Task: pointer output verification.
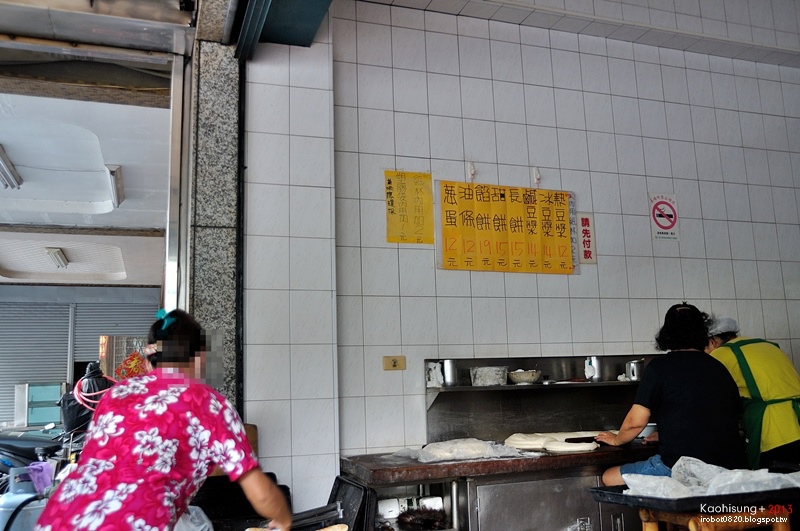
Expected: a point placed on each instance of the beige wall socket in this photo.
(394, 363)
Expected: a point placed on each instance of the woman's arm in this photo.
(266, 498)
(635, 421)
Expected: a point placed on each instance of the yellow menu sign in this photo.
(503, 228)
(409, 207)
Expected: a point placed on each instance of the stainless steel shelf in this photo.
(517, 387)
(432, 392)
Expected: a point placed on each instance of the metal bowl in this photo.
(523, 377)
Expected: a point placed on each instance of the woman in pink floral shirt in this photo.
(153, 441)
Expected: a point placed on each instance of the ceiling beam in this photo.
(156, 98)
(255, 17)
(85, 231)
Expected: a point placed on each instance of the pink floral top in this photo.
(151, 444)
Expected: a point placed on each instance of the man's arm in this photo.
(635, 421)
(266, 498)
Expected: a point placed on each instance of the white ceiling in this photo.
(93, 259)
(61, 149)
(60, 67)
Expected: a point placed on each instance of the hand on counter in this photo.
(607, 437)
(634, 423)
(610, 438)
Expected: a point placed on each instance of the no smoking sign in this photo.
(664, 217)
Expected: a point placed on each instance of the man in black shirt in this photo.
(690, 395)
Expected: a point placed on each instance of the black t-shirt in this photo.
(696, 404)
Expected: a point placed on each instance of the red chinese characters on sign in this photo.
(587, 252)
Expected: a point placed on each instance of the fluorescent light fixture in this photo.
(58, 256)
(115, 176)
(8, 173)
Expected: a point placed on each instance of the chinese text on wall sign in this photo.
(504, 228)
(409, 207)
(587, 253)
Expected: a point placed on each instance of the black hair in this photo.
(179, 336)
(685, 327)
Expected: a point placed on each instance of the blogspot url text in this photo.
(743, 519)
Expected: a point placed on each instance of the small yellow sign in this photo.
(409, 207)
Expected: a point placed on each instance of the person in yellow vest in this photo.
(770, 386)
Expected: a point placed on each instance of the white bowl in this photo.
(523, 377)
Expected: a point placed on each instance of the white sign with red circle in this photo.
(664, 216)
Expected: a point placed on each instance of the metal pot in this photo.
(450, 372)
(633, 370)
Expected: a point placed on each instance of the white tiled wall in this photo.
(398, 88)
(608, 120)
(290, 383)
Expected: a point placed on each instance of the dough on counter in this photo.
(469, 448)
(539, 441)
(561, 446)
(531, 441)
(564, 435)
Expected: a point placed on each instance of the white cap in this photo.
(722, 325)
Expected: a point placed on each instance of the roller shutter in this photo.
(95, 320)
(34, 347)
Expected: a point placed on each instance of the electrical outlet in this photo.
(394, 363)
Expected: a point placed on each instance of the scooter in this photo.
(21, 447)
(20, 505)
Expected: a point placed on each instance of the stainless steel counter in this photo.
(557, 482)
(381, 470)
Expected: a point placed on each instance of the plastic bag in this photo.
(194, 519)
(459, 449)
(76, 417)
(693, 477)
(691, 471)
(659, 487)
(41, 473)
(736, 481)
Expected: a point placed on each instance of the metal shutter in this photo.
(95, 320)
(34, 347)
